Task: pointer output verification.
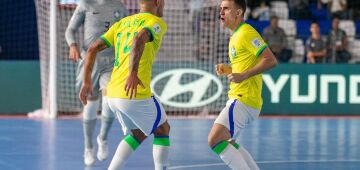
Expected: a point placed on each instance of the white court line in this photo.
(265, 162)
(196, 166)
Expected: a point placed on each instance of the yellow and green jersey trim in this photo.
(106, 41)
(152, 34)
(240, 25)
(261, 50)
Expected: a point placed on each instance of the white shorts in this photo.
(100, 75)
(235, 116)
(146, 115)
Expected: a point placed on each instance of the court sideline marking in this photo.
(264, 162)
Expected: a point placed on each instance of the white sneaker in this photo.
(102, 153)
(89, 159)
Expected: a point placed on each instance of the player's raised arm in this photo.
(267, 62)
(96, 47)
(138, 46)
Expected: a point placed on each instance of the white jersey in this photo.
(97, 16)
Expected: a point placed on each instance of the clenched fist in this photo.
(223, 69)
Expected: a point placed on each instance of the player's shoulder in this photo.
(116, 5)
(127, 18)
(246, 31)
(247, 28)
(150, 17)
(152, 20)
(309, 40)
(83, 6)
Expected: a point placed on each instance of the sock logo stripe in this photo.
(231, 118)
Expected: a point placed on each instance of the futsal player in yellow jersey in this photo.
(136, 40)
(249, 57)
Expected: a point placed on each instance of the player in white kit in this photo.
(97, 16)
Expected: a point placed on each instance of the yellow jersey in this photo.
(244, 49)
(121, 35)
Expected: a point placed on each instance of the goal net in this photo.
(183, 74)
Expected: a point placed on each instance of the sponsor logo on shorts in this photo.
(186, 88)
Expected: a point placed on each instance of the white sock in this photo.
(248, 158)
(107, 118)
(233, 158)
(126, 147)
(161, 155)
(89, 121)
(106, 123)
(161, 146)
(88, 128)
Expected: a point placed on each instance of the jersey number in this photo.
(126, 49)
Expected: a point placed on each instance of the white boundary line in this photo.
(264, 162)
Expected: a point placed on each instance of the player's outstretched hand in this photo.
(131, 85)
(223, 69)
(86, 89)
(74, 53)
(237, 77)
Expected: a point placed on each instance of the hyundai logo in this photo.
(186, 88)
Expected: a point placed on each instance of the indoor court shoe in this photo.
(89, 159)
(102, 149)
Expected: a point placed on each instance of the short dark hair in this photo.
(315, 22)
(335, 17)
(241, 4)
(274, 17)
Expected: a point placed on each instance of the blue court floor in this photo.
(275, 143)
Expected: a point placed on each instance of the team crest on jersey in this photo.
(233, 52)
(157, 28)
(256, 42)
(117, 14)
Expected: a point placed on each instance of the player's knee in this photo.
(214, 138)
(93, 98)
(104, 92)
(163, 130)
(138, 135)
(90, 110)
(105, 108)
(211, 140)
(217, 134)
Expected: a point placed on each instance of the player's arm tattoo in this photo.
(99, 45)
(138, 46)
(94, 48)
